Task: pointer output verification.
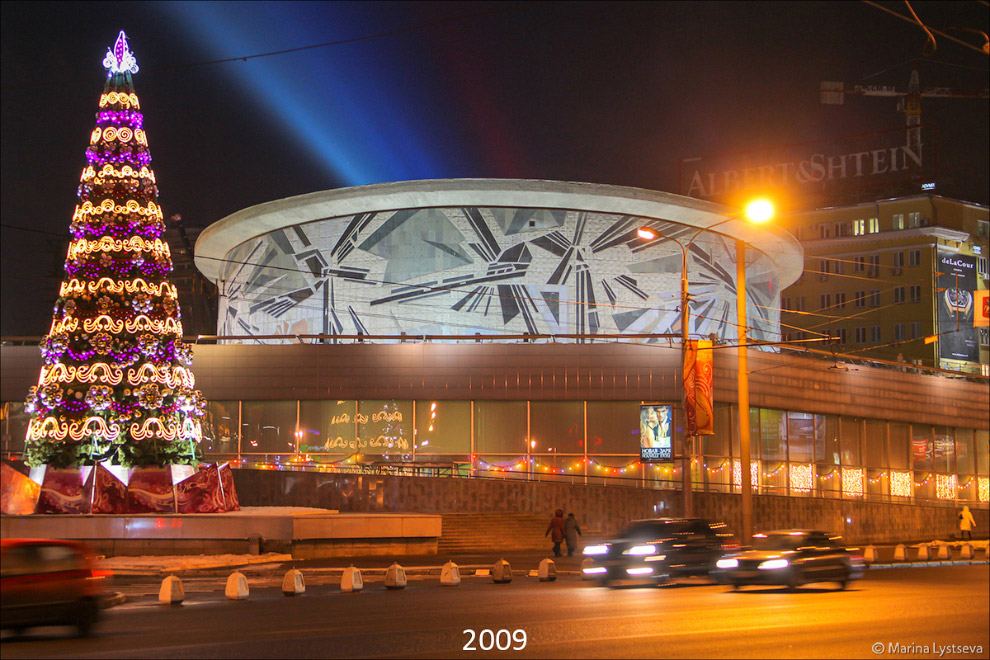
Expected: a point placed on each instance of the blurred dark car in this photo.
(791, 558)
(48, 582)
(657, 549)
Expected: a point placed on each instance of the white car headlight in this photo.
(727, 563)
(643, 570)
(596, 549)
(648, 549)
(594, 570)
(773, 564)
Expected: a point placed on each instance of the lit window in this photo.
(914, 219)
(898, 221)
(873, 225)
(859, 227)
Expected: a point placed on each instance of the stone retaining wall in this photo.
(602, 508)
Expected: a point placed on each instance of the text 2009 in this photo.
(502, 640)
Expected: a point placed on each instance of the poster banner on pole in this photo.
(698, 388)
(654, 433)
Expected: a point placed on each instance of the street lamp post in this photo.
(688, 452)
(742, 380)
(757, 211)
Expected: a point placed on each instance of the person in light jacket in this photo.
(556, 526)
(966, 524)
(571, 531)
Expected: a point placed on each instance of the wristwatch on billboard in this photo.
(959, 301)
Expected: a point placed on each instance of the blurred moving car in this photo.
(792, 557)
(657, 549)
(48, 582)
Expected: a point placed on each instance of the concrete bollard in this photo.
(450, 575)
(547, 571)
(587, 563)
(899, 552)
(395, 577)
(966, 552)
(501, 572)
(293, 583)
(943, 552)
(923, 552)
(171, 592)
(351, 580)
(870, 555)
(237, 586)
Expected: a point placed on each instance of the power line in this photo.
(367, 37)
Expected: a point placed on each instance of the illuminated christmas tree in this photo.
(116, 384)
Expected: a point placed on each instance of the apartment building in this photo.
(894, 279)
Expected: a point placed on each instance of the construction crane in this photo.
(909, 102)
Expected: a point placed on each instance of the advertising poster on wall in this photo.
(954, 303)
(655, 433)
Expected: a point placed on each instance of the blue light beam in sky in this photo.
(341, 102)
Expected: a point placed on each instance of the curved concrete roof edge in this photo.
(219, 238)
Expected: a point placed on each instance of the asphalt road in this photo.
(909, 612)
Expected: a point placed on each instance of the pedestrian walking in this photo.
(556, 531)
(966, 524)
(571, 531)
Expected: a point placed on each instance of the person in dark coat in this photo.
(571, 531)
(556, 531)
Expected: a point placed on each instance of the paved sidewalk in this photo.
(523, 560)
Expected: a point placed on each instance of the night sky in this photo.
(609, 93)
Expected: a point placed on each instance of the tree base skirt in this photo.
(103, 489)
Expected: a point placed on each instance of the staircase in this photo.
(491, 532)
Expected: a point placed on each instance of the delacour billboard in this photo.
(954, 305)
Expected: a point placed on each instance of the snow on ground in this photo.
(181, 562)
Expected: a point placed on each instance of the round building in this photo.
(491, 257)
